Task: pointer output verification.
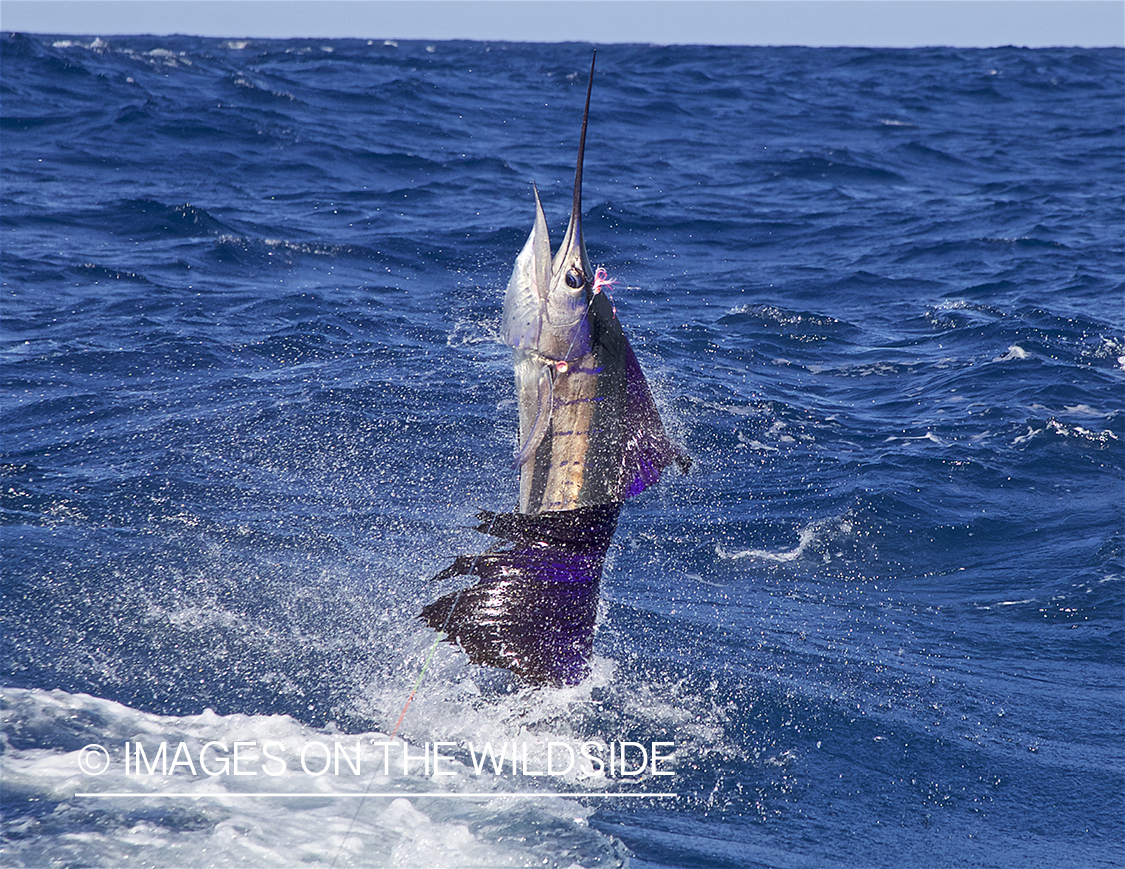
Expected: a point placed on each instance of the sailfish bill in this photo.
(590, 436)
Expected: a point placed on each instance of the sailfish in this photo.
(590, 437)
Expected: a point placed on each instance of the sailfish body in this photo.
(590, 436)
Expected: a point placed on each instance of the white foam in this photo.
(809, 536)
(290, 796)
(1084, 410)
(1014, 353)
(928, 436)
(1054, 426)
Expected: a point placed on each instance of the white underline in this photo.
(392, 794)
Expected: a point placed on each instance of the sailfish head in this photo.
(547, 301)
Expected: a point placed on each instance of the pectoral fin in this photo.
(544, 405)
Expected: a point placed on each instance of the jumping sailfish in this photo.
(590, 437)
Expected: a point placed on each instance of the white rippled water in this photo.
(229, 790)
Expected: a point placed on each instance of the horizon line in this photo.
(370, 40)
(760, 23)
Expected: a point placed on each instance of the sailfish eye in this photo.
(575, 279)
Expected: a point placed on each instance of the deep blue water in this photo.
(253, 394)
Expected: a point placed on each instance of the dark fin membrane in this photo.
(633, 457)
(533, 609)
(647, 450)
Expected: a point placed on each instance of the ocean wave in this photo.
(261, 788)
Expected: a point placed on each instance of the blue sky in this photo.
(881, 23)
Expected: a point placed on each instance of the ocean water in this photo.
(254, 394)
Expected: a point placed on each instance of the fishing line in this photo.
(601, 280)
(425, 666)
